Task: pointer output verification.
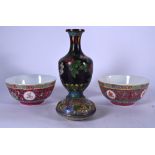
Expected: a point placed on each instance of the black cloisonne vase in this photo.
(75, 71)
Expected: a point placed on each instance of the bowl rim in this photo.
(124, 75)
(36, 84)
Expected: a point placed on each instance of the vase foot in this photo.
(76, 109)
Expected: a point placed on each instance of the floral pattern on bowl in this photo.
(123, 89)
(31, 89)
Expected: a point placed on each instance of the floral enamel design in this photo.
(61, 68)
(142, 94)
(78, 66)
(111, 94)
(29, 95)
(14, 94)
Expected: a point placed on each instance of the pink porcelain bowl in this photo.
(31, 89)
(123, 89)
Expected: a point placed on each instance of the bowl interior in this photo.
(30, 79)
(124, 80)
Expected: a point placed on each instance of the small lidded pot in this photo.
(123, 89)
(31, 89)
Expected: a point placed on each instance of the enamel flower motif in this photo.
(61, 68)
(14, 95)
(29, 95)
(111, 94)
(142, 94)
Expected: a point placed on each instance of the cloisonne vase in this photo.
(75, 71)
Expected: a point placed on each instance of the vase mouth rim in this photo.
(75, 30)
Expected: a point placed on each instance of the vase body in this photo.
(75, 70)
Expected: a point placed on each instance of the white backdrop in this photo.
(114, 50)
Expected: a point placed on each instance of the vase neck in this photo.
(75, 40)
(75, 43)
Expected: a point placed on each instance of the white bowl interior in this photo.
(124, 80)
(30, 79)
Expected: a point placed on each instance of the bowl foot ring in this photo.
(122, 104)
(32, 103)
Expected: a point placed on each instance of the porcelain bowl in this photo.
(31, 89)
(123, 89)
